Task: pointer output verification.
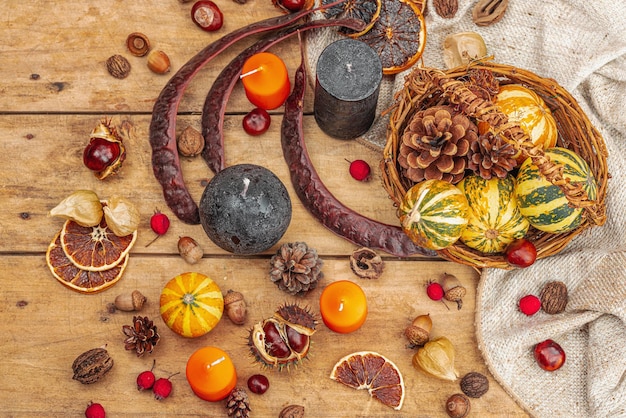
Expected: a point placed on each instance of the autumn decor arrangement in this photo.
(528, 162)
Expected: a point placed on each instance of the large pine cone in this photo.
(296, 268)
(237, 404)
(435, 145)
(491, 156)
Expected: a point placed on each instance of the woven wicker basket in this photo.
(426, 87)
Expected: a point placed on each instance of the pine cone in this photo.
(435, 145)
(483, 83)
(491, 156)
(237, 404)
(296, 268)
(142, 335)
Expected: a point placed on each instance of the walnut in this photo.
(553, 297)
(292, 411)
(474, 384)
(118, 66)
(92, 365)
(488, 12)
(366, 264)
(190, 142)
(446, 8)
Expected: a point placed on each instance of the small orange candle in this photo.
(265, 80)
(343, 306)
(211, 374)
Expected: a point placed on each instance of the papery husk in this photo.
(122, 217)
(82, 206)
(436, 358)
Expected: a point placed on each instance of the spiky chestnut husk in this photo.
(283, 339)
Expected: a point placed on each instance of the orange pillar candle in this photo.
(265, 80)
(211, 374)
(343, 306)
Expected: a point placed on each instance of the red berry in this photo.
(146, 379)
(434, 291)
(549, 355)
(258, 384)
(160, 223)
(292, 5)
(207, 15)
(100, 153)
(256, 122)
(529, 304)
(95, 410)
(521, 253)
(162, 388)
(360, 170)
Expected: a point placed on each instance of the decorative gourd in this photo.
(434, 213)
(191, 304)
(495, 220)
(544, 204)
(524, 107)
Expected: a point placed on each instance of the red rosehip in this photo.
(360, 170)
(256, 122)
(521, 253)
(146, 379)
(162, 388)
(434, 291)
(292, 5)
(95, 410)
(549, 355)
(160, 223)
(530, 304)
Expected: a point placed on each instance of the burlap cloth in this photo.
(582, 45)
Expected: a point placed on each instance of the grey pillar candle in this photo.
(347, 83)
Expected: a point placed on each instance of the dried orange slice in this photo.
(374, 372)
(94, 248)
(76, 278)
(399, 35)
(365, 10)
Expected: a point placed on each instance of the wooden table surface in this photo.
(54, 91)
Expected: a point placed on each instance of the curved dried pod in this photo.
(458, 406)
(366, 263)
(138, 44)
(488, 12)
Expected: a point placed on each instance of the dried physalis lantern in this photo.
(463, 47)
(105, 152)
(283, 339)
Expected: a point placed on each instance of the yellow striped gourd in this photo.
(191, 304)
(544, 204)
(495, 219)
(434, 213)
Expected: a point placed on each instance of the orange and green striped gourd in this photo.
(434, 213)
(526, 108)
(495, 219)
(544, 204)
(191, 304)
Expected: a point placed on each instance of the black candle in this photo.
(347, 83)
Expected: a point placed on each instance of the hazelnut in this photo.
(474, 384)
(129, 302)
(292, 411)
(190, 142)
(458, 406)
(158, 62)
(553, 297)
(235, 307)
(118, 66)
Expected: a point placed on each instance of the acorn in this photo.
(418, 333)
(130, 302)
(235, 307)
(453, 289)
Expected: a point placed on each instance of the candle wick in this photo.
(246, 183)
(349, 67)
(216, 362)
(256, 70)
(341, 306)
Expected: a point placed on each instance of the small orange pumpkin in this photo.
(191, 304)
(524, 107)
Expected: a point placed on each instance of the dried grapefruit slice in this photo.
(365, 10)
(399, 35)
(374, 372)
(94, 248)
(76, 278)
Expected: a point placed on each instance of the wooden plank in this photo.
(46, 326)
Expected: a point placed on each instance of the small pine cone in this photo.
(435, 145)
(491, 156)
(142, 335)
(237, 404)
(296, 268)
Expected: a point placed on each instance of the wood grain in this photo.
(54, 90)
